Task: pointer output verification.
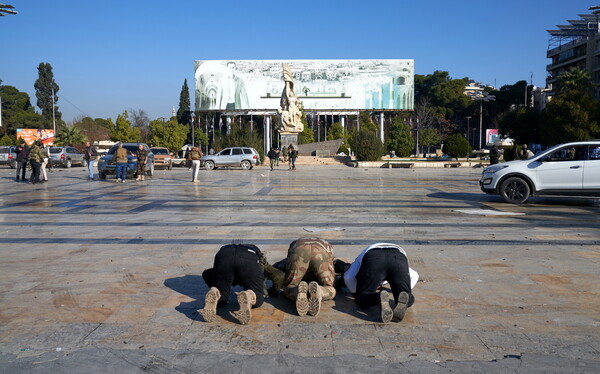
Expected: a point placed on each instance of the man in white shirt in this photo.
(381, 262)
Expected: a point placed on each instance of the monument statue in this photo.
(290, 111)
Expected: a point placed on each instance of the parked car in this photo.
(106, 165)
(66, 156)
(244, 157)
(570, 169)
(162, 157)
(8, 156)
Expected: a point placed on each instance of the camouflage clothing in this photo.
(142, 155)
(310, 259)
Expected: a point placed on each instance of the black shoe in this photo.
(400, 309)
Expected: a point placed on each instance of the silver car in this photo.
(244, 157)
(66, 156)
(8, 156)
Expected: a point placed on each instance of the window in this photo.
(237, 151)
(247, 151)
(594, 152)
(567, 154)
(225, 152)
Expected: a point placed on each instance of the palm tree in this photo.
(70, 135)
(575, 80)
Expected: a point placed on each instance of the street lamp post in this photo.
(468, 127)
(481, 96)
(192, 117)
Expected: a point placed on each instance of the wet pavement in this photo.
(106, 277)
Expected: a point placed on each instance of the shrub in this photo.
(457, 146)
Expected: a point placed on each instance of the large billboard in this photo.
(320, 84)
(46, 136)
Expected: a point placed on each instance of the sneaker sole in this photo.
(209, 312)
(301, 300)
(400, 309)
(386, 309)
(244, 314)
(314, 301)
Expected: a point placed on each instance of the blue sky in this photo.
(110, 56)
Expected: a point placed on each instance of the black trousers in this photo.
(236, 265)
(35, 173)
(381, 264)
(21, 169)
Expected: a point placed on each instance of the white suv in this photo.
(571, 169)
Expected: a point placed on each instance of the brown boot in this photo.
(301, 299)
(209, 312)
(315, 297)
(246, 299)
(400, 309)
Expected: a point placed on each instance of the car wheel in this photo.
(209, 165)
(246, 165)
(68, 164)
(102, 176)
(514, 190)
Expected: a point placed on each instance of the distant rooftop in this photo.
(585, 27)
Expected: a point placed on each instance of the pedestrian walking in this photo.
(195, 155)
(494, 155)
(284, 152)
(292, 154)
(91, 154)
(43, 173)
(272, 155)
(142, 159)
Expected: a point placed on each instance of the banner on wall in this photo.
(491, 136)
(319, 84)
(30, 135)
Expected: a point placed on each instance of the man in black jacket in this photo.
(22, 152)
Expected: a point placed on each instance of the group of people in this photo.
(309, 275)
(523, 154)
(37, 157)
(121, 162)
(289, 153)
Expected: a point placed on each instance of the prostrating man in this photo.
(381, 262)
(309, 260)
(238, 264)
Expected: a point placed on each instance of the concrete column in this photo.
(381, 122)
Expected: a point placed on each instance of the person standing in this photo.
(43, 173)
(195, 156)
(91, 154)
(377, 263)
(494, 155)
(272, 155)
(142, 159)
(22, 152)
(121, 163)
(284, 151)
(307, 259)
(36, 157)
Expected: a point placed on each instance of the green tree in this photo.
(429, 137)
(446, 94)
(183, 113)
(338, 132)
(7, 140)
(399, 138)
(70, 135)
(168, 134)
(46, 92)
(240, 136)
(575, 80)
(521, 124)
(306, 136)
(367, 145)
(17, 111)
(457, 146)
(122, 131)
(91, 129)
(570, 118)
